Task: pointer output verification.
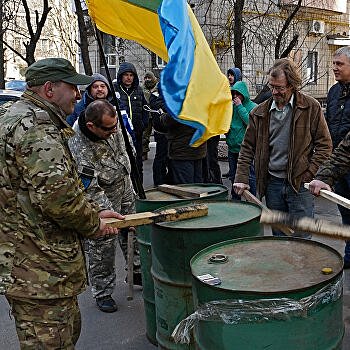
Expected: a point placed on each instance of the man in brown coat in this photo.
(288, 138)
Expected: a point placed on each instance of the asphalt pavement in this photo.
(125, 329)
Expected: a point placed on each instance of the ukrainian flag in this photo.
(194, 89)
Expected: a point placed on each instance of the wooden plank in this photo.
(173, 214)
(185, 192)
(333, 197)
(252, 199)
(314, 226)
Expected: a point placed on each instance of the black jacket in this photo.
(133, 98)
(338, 112)
(179, 135)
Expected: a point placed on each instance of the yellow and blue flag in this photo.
(194, 89)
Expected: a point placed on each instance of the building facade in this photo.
(58, 38)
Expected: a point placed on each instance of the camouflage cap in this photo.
(54, 69)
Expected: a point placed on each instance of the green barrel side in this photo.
(174, 244)
(287, 268)
(155, 200)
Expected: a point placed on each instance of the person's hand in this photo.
(239, 188)
(104, 229)
(237, 101)
(315, 186)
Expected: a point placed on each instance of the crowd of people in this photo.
(65, 167)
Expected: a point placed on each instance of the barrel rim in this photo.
(257, 238)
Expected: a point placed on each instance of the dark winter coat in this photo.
(338, 112)
(133, 98)
(179, 135)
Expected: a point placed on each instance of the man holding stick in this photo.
(288, 138)
(43, 210)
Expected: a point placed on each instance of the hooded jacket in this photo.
(87, 98)
(236, 72)
(133, 98)
(240, 118)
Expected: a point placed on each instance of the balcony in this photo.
(330, 6)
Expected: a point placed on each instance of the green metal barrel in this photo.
(174, 244)
(156, 199)
(278, 293)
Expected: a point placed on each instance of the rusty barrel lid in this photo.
(267, 264)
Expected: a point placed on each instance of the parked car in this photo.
(18, 85)
(9, 95)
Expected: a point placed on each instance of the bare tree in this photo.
(238, 30)
(33, 31)
(85, 26)
(60, 31)
(8, 10)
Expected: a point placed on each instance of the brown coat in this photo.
(309, 143)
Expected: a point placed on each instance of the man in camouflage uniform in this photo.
(43, 210)
(103, 165)
(333, 169)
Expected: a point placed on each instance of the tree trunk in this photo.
(39, 25)
(237, 33)
(84, 44)
(2, 57)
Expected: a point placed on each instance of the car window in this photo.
(18, 85)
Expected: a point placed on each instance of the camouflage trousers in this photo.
(50, 324)
(101, 262)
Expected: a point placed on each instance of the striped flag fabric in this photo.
(195, 91)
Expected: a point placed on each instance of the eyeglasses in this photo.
(277, 88)
(107, 128)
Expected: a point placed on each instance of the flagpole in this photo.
(135, 174)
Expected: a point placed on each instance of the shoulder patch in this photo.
(86, 175)
(42, 116)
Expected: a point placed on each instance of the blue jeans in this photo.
(342, 187)
(186, 171)
(232, 163)
(281, 196)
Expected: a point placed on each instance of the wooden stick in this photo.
(184, 192)
(145, 218)
(333, 197)
(252, 199)
(315, 226)
(130, 262)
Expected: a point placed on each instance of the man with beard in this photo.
(288, 138)
(99, 89)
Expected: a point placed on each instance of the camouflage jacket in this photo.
(104, 169)
(43, 210)
(337, 165)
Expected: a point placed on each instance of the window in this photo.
(311, 67)
(160, 62)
